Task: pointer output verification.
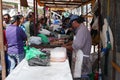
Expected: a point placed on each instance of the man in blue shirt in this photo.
(15, 39)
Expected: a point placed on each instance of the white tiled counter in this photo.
(56, 71)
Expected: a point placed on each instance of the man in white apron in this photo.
(81, 46)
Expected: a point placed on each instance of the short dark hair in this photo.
(20, 16)
(30, 14)
(80, 19)
(14, 19)
(7, 15)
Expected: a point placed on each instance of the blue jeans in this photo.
(14, 60)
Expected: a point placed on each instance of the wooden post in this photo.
(2, 45)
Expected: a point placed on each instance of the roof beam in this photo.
(61, 1)
(65, 3)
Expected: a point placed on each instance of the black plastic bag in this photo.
(40, 60)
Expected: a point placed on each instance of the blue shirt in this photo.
(23, 27)
(56, 21)
(15, 39)
(82, 40)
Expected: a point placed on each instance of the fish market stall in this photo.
(57, 70)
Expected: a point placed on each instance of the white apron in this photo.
(77, 60)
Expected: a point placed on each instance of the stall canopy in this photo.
(24, 3)
(63, 3)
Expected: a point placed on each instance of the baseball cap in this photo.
(73, 17)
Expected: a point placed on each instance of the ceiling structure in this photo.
(63, 3)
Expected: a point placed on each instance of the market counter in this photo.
(56, 71)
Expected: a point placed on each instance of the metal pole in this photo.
(44, 9)
(36, 12)
(114, 44)
(34, 1)
(86, 15)
(19, 7)
(2, 45)
(82, 9)
(99, 7)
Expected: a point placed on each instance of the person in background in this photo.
(39, 25)
(15, 39)
(57, 20)
(44, 23)
(48, 20)
(22, 22)
(29, 25)
(67, 27)
(6, 20)
(82, 41)
(41, 22)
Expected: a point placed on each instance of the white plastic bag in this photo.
(58, 54)
(45, 32)
(34, 40)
